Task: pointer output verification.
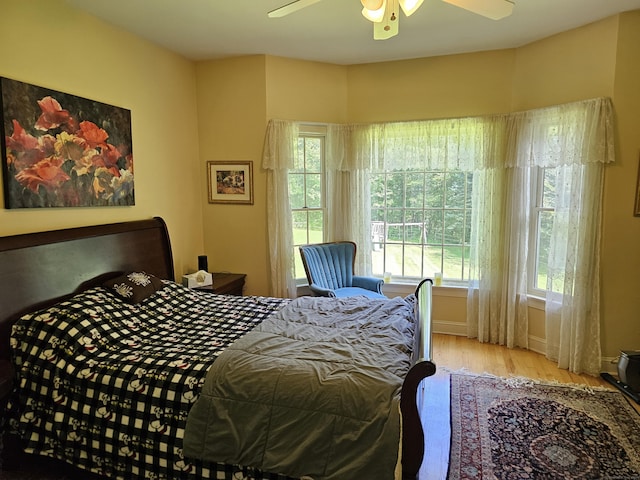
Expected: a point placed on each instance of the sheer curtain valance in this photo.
(570, 134)
(580, 132)
(460, 144)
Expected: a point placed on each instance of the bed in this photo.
(108, 382)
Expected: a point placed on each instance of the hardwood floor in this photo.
(452, 353)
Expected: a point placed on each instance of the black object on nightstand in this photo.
(225, 284)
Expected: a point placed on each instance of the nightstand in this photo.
(225, 284)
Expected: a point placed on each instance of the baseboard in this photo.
(610, 365)
(537, 344)
(607, 364)
(449, 328)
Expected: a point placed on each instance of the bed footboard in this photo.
(412, 432)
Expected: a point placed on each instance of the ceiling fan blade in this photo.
(290, 8)
(493, 9)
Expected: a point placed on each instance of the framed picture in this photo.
(230, 182)
(636, 210)
(61, 150)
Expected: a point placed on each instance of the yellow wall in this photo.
(231, 124)
(437, 87)
(621, 249)
(571, 66)
(306, 91)
(236, 98)
(46, 43)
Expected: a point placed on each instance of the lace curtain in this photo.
(573, 314)
(501, 151)
(348, 190)
(280, 149)
(577, 140)
(354, 151)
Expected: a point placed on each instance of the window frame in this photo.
(537, 207)
(425, 244)
(318, 132)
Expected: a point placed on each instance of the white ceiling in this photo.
(334, 31)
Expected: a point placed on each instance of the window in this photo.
(421, 223)
(306, 193)
(543, 185)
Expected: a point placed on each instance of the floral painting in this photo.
(60, 150)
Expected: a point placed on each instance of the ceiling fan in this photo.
(384, 13)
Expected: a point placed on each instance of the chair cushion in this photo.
(330, 264)
(353, 291)
(329, 269)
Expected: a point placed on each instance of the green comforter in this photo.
(314, 391)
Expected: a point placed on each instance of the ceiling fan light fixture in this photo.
(376, 15)
(384, 31)
(385, 13)
(409, 7)
(372, 4)
(389, 25)
(385, 16)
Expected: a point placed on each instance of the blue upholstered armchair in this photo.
(329, 269)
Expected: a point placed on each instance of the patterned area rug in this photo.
(509, 429)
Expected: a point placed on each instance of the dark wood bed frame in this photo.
(40, 269)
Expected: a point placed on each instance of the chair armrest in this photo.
(369, 283)
(320, 292)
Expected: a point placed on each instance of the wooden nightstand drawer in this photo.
(225, 284)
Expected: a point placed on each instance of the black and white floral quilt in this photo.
(106, 384)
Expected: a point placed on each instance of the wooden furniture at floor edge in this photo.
(6, 385)
(225, 284)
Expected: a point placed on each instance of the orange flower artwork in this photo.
(62, 150)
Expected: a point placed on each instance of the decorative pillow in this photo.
(134, 287)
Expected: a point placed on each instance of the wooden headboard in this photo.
(39, 269)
